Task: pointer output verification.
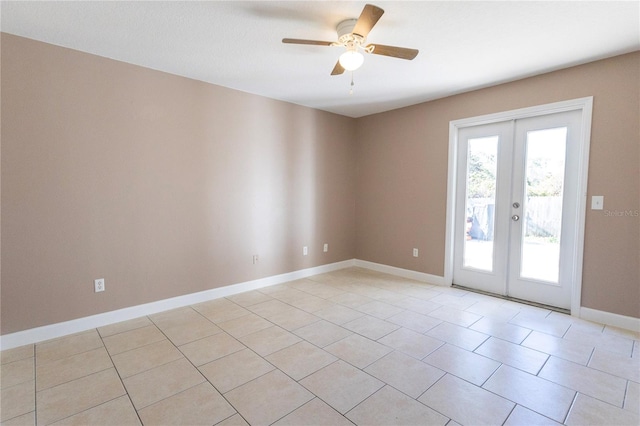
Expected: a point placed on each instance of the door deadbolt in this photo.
(516, 205)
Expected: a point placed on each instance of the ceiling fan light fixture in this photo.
(351, 60)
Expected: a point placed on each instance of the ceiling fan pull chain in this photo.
(351, 88)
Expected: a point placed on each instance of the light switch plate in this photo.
(597, 202)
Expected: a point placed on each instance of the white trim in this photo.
(608, 318)
(52, 331)
(400, 272)
(584, 104)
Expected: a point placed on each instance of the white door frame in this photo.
(583, 104)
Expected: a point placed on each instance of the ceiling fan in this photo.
(352, 35)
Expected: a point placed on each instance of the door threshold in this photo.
(514, 299)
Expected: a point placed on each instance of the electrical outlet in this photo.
(255, 259)
(98, 285)
(415, 252)
(305, 250)
(325, 248)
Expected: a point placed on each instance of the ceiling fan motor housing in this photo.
(346, 37)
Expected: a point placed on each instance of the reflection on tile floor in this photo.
(347, 347)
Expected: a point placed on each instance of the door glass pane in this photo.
(542, 206)
(480, 202)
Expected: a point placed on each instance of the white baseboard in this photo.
(53, 331)
(608, 318)
(405, 273)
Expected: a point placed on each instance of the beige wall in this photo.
(166, 186)
(162, 185)
(402, 175)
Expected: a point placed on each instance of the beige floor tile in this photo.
(338, 314)
(301, 359)
(199, 405)
(190, 331)
(211, 348)
(389, 407)
(458, 336)
(322, 333)
(244, 325)
(220, 310)
(17, 400)
(270, 308)
(458, 302)
(632, 398)
(314, 412)
(544, 325)
(502, 330)
(121, 327)
(578, 352)
(379, 309)
(590, 411)
(463, 364)
(289, 295)
(68, 345)
(622, 332)
(292, 319)
(411, 343)
(358, 351)
(585, 380)
(370, 327)
(618, 365)
(495, 310)
(607, 342)
(73, 397)
(414, 321)
(350, 300)
(17, 354)
(133, 339)
(423, 292)
(455, 316)
(249, 298)
(28, 419)
(269, 340)
(268, 398)
(174, 317)
(235, 420)
(323, 291)
(417, 305)
(341, 385)
(117, 412)
(311, 303)
(234, 370)
(523, 416)
(404, 373)
(53, 373)
(161, 382)
(534, 393)
(145, 358)
(16, 372)
(517, 356)
(465, 403)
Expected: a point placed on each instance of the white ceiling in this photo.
(464, 45)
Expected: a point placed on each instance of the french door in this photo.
(517, 205)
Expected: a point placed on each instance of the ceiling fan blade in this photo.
(393, 51)
(300, 41)
(368, 18)
(337, 70)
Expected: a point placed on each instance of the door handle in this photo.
(515, 217)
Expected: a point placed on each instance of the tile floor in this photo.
(347, 347)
